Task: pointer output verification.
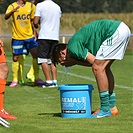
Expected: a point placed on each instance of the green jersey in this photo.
(90, 37)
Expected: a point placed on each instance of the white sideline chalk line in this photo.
(92, 79)
(87, 78)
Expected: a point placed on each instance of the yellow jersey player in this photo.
(23, 34)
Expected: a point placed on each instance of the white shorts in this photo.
(115, 46)
(41, 60)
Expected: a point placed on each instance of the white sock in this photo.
(49, 81)
(55, 81)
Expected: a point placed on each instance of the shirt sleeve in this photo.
(38, 10)
(78, 51)
(33, 8)
(9, 9)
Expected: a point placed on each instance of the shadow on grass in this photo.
(51, 114)
(56, 114)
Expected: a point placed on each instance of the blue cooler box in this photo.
(76, 100)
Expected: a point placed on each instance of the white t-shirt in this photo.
(49, 13)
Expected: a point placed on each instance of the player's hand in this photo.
(67, 61)
(15, 9)
(35, 36)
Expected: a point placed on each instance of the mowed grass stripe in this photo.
(86, 78)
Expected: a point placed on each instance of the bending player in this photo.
(98, 44)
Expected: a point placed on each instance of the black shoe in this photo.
(48, 85)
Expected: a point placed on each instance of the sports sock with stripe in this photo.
(104, 100)
(112, 99)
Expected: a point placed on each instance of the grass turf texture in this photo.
(38, 109)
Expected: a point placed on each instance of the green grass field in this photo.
(39, 111)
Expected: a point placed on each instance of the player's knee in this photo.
(97, 69)
(4, 71)
(15, 58)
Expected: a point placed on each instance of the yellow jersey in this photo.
(21, 23)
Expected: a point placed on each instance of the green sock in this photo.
(104, 99)
(112, 99)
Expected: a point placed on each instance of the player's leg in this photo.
(53, 68)
(32, 47)
(99, 70)
(17, 46)
(35, 68)
(44, 47)
(112, 95)
(30, 75)
(15, 68)
(54, 74)
(3, 76)
(21, 67)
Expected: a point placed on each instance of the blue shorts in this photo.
(23, 46)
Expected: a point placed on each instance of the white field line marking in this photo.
(87, 78)
(92, 79)
(34, 91)
(38, 94)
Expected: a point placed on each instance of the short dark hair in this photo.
(56, 52)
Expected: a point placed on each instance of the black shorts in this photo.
(45, 48)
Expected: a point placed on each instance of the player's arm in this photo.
(34, 30)
(32, 19)
(83, 63)
(37, 15)
(36, 21)
(90, 58)
(9, 14)
(1, 43)
(88, 62)
(70, 61)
